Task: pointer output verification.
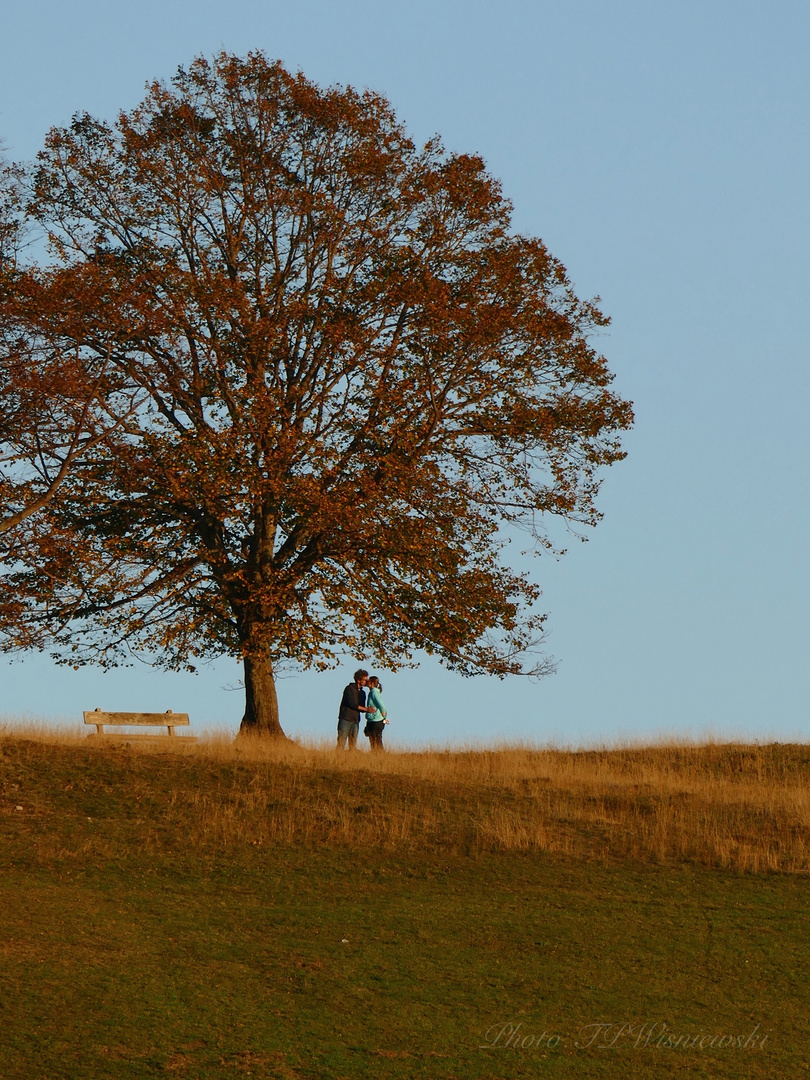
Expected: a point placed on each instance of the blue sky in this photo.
(662, 151)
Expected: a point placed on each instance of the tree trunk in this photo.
(261, 702)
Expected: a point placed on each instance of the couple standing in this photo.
(353, 703)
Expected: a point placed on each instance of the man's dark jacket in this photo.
(353, 696)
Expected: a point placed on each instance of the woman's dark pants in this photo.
(374, 729)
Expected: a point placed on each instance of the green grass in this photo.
(124, 952)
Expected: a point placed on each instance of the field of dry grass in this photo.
(221, 908)
(742, 807)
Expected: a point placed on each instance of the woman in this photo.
(376, 720)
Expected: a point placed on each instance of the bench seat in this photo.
(169, 720)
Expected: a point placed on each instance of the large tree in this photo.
(329, 376)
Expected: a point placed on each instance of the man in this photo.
(352, 704)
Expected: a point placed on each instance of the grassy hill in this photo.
(238, 911)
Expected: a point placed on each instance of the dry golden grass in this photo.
(729, 805)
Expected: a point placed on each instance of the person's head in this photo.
(361, 677)
(374, 683)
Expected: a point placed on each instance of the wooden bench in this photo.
(170, 720)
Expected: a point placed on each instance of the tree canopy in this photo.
(291, 380)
